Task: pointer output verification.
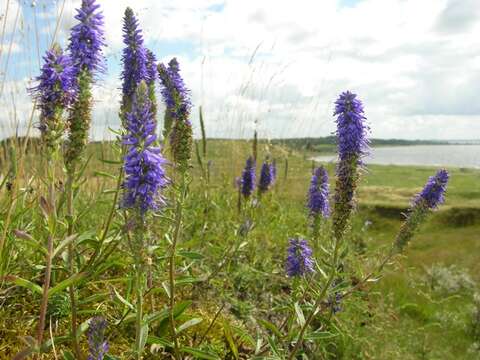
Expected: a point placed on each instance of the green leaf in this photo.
(318, 335)
(190, 255)
(187, 280)
(104, 174)
(166, 287)
(162, 315)
(200, 354)
(143, 337)
(269, 326)
(67, 355)
(72, 280)
(300, 316)
(157, 340)
(231, 342)
(188, 324)
(113, 162)
(63, 244)
(273, 347)
(123, 300)
(23, 283)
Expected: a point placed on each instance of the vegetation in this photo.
(421, 303)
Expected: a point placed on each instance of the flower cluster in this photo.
(86, 42)
(97, 344)
(144, 163)
(55, 92)
(151, 67)
(428, 199)
(134, 59)
(299, 260)
(177, 99)
(266, 177)
(87, 38)
(433, 193)
(317, 201)
(351, 127)
(247, 180)
(352, 146)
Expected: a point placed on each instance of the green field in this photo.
(421, 308)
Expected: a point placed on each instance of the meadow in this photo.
(160, 245)
(423, 306)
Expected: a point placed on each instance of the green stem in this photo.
(139, 315)
(71, 265)
(319, 300)
(176, 237)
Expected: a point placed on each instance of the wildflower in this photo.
(352, 146)
(97, 344)
(299, 259)
(433, 193)
(134, 59)
(87, 38)
(265, 177)
(151, 78)
(317, 201)
(248, 178)
(86, 42)
(54, 93)
(177, 99)
(144, 163)
(428, 199)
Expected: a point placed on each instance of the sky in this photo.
(272, 65)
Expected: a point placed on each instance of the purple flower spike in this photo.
(299, 260)
(352, 146)
(351, 127)
(97, 344)
(134, 57)
(174, 92)
(56, 81)
(433, 193)
(428, 199)
(265, 178)
(144, 163)
(87, 38)
(176, 125)
(151, 67)
(318, 203)
(248, 178)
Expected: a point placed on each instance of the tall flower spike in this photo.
(317, 201)
(423, 203)
(134, 59)
(265, 177)
(151, 78)
(86, 43)
(97, 344)
(87, 38)
(299, 260)
(54, 93)
(247, 181)
(352, 146)
(143, 163)
(177, 125)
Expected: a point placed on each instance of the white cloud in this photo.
(282, 64)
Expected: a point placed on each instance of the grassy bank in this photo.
(421, 309)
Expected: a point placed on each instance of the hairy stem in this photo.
(71, 265)
(176, 237)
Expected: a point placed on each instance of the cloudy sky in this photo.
(277, 65)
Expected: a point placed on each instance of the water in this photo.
(467, 156)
